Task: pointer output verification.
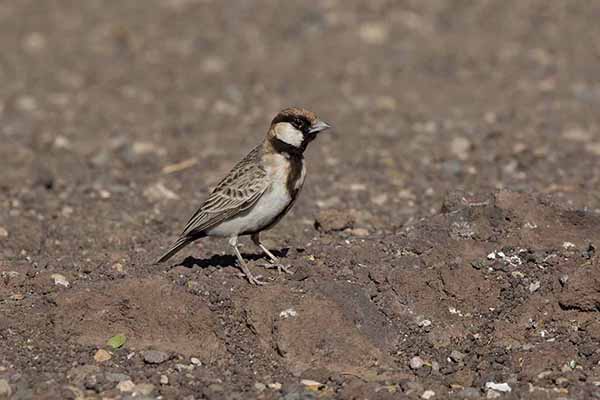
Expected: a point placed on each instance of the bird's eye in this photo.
(299, 124)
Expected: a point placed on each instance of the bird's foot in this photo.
(280, 267)
(253, 279)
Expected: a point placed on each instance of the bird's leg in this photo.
(255, 280)
(274, 260)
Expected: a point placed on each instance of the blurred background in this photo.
(121, 115)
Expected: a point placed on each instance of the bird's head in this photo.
(293, 129)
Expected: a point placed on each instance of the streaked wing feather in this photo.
(238, 191)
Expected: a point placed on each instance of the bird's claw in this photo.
(253, 279)
(280, 267)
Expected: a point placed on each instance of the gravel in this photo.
(155, 356)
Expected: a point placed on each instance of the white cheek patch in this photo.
(288, 134)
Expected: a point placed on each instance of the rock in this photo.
(102, 356)
(499, 387)
(79, 374)
(155, 356)
(468, 393)
(195, 361)
(416, 363)
(275, 386)
(126, 386)
(460, 146)
(183, 367)
(260, 386)
(116, 377)
(428, 394)
(534, 286)
(60, 280)
(145, 389)
(3, 232)
(159, 192)
(5, 389)
(359, 232)
(456, 356)
(492, 394)
(312, 384)
(373, 33)
(331, 220)
(288, 313)
(164, 380)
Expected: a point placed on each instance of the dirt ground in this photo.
(445, 244)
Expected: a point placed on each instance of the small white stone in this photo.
(164, 380)
(60, 280)
(416, 362)
(3, 232)
(568, 245)
(275, 386)
(499, 387)
(424, 323)
(310, 382)
(534, 286)
(260, 386)
(195, 361)
(126, 386)
(491, 256)
(290, 312)
(428, 394)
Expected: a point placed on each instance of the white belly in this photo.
(272, 203)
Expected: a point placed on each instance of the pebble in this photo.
(195, 361)
(428, 394)
(424, 323)
(60, 280)
(3, 232)
(468, 393)
(373, 33)
(460, 147)
(311, 383)
(102, 355)
(116, 377)
(492, 394)
(5, 390)
(499, 387)
(275, 386)
(416, 362)
(126, 386)
(332, 220)
(564, 279)
(260, 386)
(155, 356)
(358, 232)
(159, 192)
(183, 367)
(145, 389)
(164, 380)
(534, 286)
(456, 356)
(290, 312)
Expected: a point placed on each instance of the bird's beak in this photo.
(319, 126)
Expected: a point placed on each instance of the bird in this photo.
(258, 192)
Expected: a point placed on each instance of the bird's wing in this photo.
(238, 191)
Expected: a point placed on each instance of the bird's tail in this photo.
(178, 245)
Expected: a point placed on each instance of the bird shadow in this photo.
(227, 260)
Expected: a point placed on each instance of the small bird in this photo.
(258, 191)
